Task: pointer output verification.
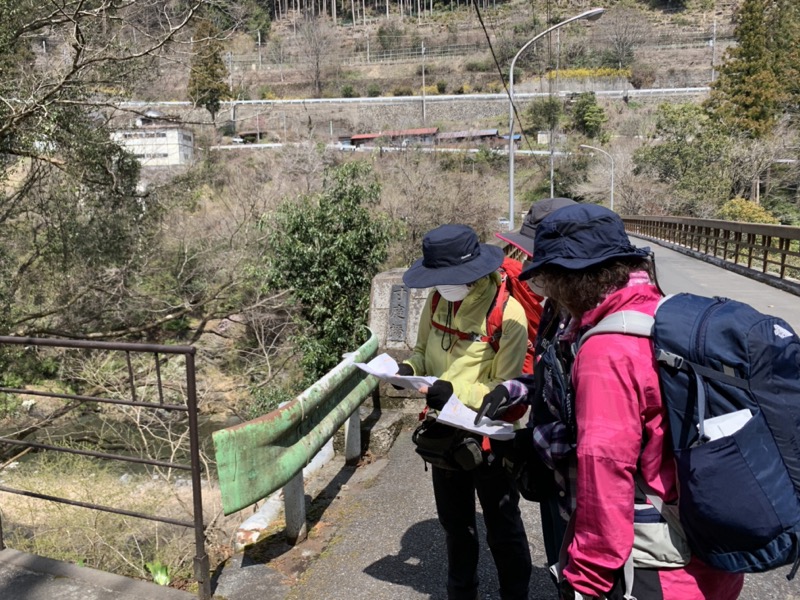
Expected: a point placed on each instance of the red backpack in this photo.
(510, 285)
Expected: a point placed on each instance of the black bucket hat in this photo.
(523, 239)
(581, 236)
(452, 255)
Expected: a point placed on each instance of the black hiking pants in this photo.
(455, 504)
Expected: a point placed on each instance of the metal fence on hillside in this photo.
(144, 392)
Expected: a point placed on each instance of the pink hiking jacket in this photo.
(618, 406)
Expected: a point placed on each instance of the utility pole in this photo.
(423, 83)
(714, 52)
(230, 72)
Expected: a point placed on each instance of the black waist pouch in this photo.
(447, 447)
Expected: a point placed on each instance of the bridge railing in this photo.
(768, 253)
(259, 457)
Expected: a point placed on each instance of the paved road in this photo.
(373, 529)
(679, 273)
(383, 542)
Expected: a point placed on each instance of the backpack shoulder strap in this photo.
(435, 302)
(494, 318)
(629, 322)
(493, 332)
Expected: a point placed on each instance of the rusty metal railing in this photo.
(768, 253)
(201, 560)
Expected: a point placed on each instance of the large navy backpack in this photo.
(739, 494)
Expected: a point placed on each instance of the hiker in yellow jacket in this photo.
(473, 368)
(454, 347)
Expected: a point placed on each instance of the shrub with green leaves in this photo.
(478, 66)
(745, 211)
(390, 35)
(543, 114)
(159, 572)
(326, 249)
(348, 91)
(265, 399)
(587, 116)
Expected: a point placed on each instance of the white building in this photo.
(157, 142)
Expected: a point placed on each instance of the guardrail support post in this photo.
(294, 506)
(352, 438)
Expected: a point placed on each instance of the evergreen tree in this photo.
(784, 43)
(207, 87)
(693, 156)
(543, 115)
(749, 95)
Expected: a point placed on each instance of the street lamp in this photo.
(590, 14)
(611, 158)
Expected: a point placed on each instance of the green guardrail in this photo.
(256, 458)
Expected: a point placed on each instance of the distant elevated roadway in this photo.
(436, 98)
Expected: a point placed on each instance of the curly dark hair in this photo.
(580, 291)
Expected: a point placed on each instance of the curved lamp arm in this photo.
(591, 14)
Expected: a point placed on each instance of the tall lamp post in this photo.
(590, 14)
(611, 158)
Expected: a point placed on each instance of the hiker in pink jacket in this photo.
(585, 261)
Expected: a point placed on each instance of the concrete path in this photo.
(679, 273)
(379, 540)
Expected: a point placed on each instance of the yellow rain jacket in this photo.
(472, 367)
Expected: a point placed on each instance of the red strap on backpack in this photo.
(530, 302)
(494, 327)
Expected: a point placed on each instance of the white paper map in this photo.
(453, 413)
(385, 367)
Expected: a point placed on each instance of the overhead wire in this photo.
(517, 117)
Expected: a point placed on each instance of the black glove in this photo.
(495, 403)
(438, 394)
(405, 370)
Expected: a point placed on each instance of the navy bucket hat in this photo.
(452, 255)
(581, 236)
(523, 239)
